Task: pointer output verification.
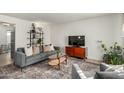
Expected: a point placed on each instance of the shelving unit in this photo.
(34, 36)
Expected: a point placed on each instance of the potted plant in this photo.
(39, 41)
(106, 56)
(113, 54)
(33, 31)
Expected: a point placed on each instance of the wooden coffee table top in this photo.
(53, 60)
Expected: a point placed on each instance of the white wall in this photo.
(46, 27)
(103, 28)
(3, 35)
(119, 20)
(4, 39)
(22, 27)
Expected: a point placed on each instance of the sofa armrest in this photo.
(104, 66)
(77, 72)
(20, 59)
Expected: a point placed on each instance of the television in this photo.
(76, 40)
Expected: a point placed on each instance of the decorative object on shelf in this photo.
(39, 41)
(99, 41)
(58, 52)
(33, 30)
(39, 29)
(36, 37)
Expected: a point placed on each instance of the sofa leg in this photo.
(21, 69)
(14, 63)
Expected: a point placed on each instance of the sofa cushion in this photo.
(33, 57)
(42, 54)
(49, 53)
(48, 48)
(109, 75)
(36, 50)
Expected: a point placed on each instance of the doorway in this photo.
(7, 43)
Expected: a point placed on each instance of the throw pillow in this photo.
(29, 51)
(116, 68)
(52, 47)
(36, 50)
(106, 67)
(110, 69)
(21, 50)
(48, 48)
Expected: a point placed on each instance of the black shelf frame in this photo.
(32, 38)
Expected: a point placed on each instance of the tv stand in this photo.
(78, 52)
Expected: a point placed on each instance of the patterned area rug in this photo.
(42, 70)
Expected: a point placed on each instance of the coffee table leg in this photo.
(59, 66)
(66, 60)
(59, 63)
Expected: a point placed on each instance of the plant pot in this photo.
(106, 59)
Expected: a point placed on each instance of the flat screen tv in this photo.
(76, 40)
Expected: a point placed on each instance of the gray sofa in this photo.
(22, 60)
(102, 74)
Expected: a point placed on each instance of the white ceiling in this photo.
(54, 17)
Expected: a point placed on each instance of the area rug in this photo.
(42, 70)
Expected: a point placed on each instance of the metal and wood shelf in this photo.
(34, 37)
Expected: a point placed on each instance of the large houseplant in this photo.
(113, 54)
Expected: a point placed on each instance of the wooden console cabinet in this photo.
(78, 52)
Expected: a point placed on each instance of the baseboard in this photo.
(94, 61)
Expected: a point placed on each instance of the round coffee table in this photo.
(55, 60)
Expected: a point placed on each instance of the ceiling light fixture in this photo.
(6, 24)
